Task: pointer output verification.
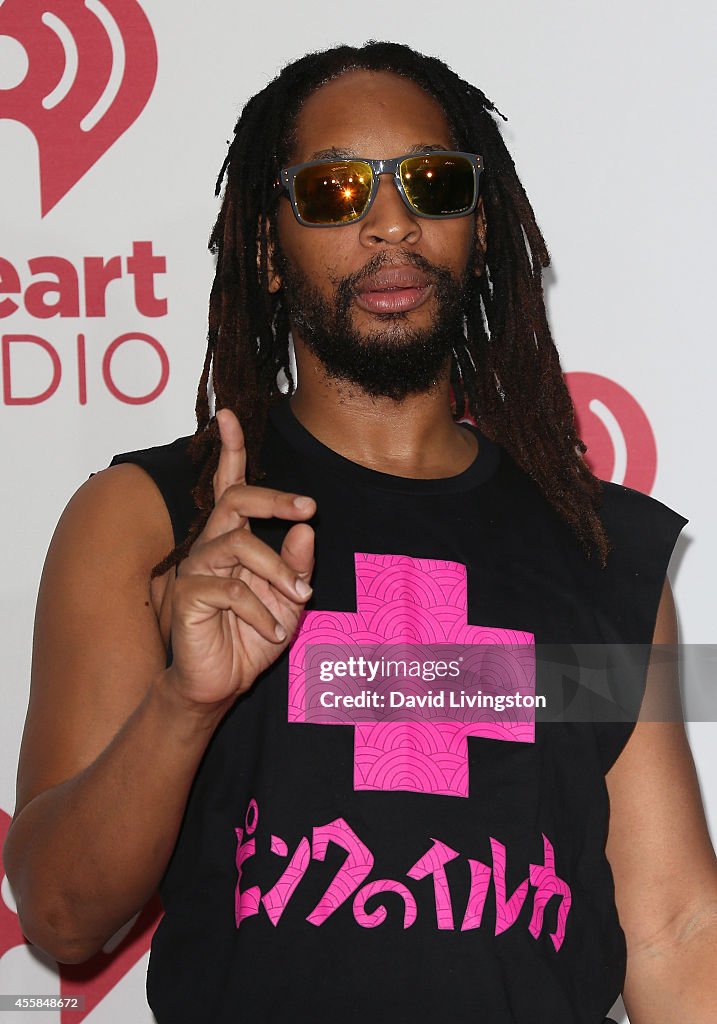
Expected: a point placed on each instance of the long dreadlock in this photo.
(506, 374)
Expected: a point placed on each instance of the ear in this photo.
(481, 237)
(274, 279)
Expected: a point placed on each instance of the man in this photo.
(352, 866)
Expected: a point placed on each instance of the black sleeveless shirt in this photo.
(338, 869)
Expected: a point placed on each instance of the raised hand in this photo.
(235, 601)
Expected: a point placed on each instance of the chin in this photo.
(394, 327)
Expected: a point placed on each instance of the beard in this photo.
(393, 360)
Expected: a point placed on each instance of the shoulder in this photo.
(624, 506)
(642, 530)
(169, 465)
(173, 475)
(121, 522)
(172, 454)
(131, 506)
(118, 512)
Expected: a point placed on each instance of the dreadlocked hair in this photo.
(506, 373)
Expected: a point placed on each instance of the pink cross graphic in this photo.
(407, 600)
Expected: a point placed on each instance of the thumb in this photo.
(298, 550)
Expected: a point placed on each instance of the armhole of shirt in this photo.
(172, 471)
(644, 532)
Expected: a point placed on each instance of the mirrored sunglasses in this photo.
(330, 193)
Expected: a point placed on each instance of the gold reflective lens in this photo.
(335, 192)
(439, 184)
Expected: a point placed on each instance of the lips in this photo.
(393, 290)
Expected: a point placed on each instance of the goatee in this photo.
(394, 360)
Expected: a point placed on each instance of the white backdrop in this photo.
(609, 105)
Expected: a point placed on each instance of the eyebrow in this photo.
(336, 153)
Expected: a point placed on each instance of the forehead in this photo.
(374, 114)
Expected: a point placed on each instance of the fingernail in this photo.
(280, 632)
(302, 589)
(303, 502)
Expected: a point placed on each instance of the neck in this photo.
(412, 437)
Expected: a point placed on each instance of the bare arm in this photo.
(112, 741)
(662, 859)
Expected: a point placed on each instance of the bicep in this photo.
(658, 845)
(96, 643)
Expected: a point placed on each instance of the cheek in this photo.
(321, 254)
(452, 242)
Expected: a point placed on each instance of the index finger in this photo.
(232, 456)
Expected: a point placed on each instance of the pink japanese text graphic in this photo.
(350, 883)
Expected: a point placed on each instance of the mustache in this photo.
(382, 260)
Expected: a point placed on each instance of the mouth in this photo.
(393, 290)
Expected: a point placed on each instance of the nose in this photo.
(389, 221)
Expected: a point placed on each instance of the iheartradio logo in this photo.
(91, 69)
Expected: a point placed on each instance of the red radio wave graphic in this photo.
(615, 427)
(92, 70)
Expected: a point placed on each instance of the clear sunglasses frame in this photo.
(378, 167)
